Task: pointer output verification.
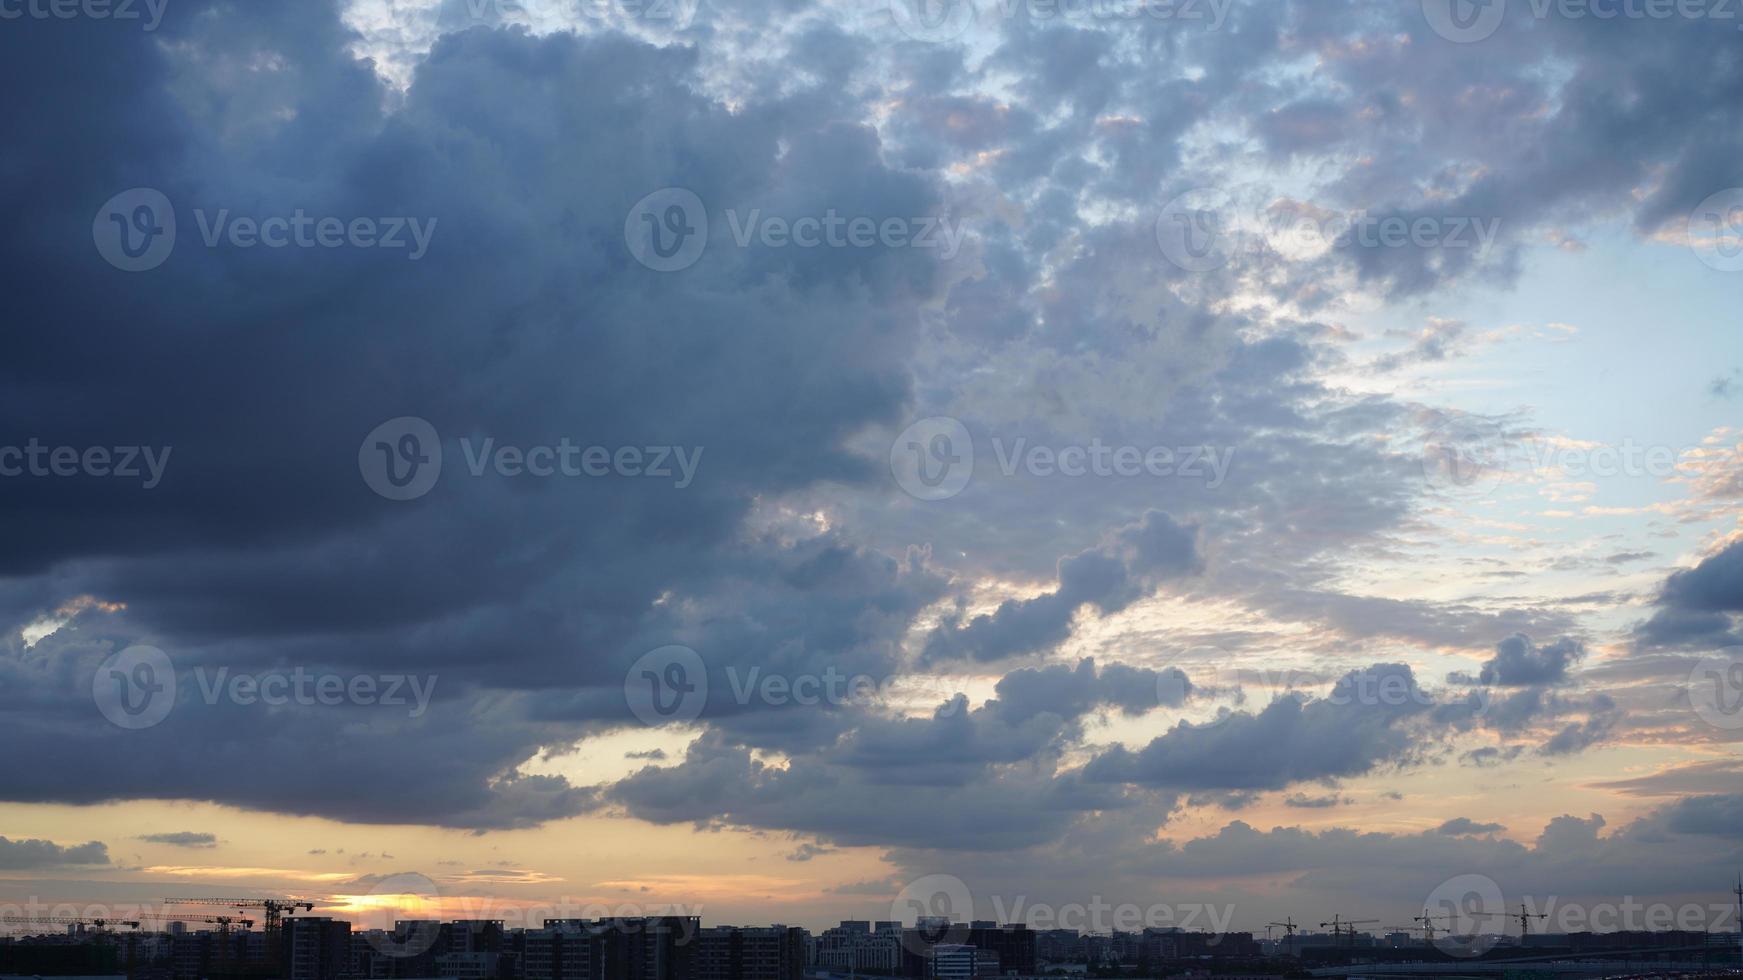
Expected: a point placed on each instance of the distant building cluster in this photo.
(681, 948)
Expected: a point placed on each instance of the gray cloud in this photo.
(182, 838)
(21, 855)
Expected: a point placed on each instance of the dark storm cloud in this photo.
(20, 855)
(528, 322)
(1465, 827)
(1071, 692)
(1520, 663)
(1697, 606)
(1110, 578)
(1717, 816)
(1361, 725)
(182, 838)
(718, 784)
(1302, 801)
(1715, 585)
(1573, 859)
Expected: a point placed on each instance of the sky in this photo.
(1104, 465)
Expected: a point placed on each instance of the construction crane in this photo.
(1346, 928)
(1738, 891)
(1428, 926)
(1288, 926)
(1525, 918)
(66, 921)
(223, 922)
(273, 907)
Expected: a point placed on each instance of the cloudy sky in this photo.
(761, 456)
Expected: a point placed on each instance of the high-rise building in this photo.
(315, 948)
(1013, 945)
(557, 953)
(957, 961)
(767, 953)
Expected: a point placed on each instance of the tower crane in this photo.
(1346, 928)
(1288, 926)
(60, 920)
(1525, 918)
(1428, 925)
(274, 908)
